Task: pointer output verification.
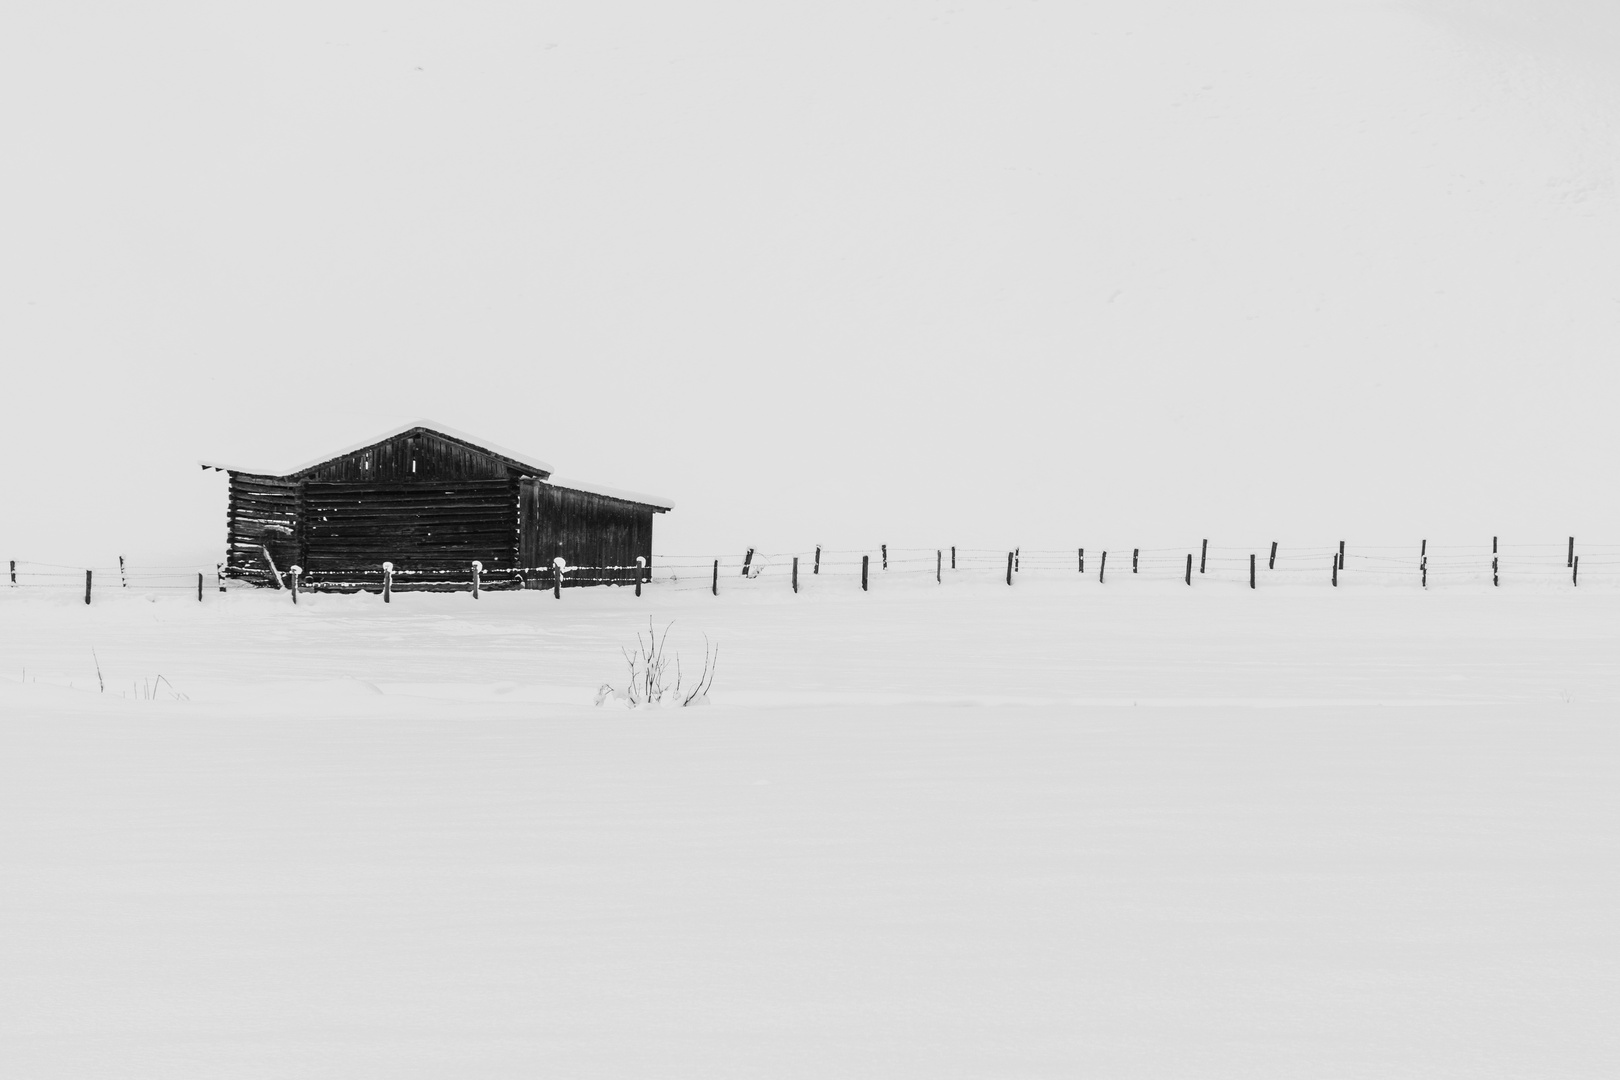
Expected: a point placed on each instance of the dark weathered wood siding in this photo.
(439, 528)
(586, 530)
(413, 458)
(261, 512)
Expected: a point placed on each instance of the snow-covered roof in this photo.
(657, 502)
(428, 425)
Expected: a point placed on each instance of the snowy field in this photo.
(1055, 830)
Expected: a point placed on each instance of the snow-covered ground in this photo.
(1061, 829)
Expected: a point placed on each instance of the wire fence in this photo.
(1334, 565)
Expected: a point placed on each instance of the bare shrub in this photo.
(653, 674)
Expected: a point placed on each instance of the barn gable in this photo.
(419, 455)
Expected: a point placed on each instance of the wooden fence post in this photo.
(1272, 565)
(953, 556)
(219, 575)
(87, 586)
(1252, 559)
(1339, 565)
(816, 567)
(795, 576)
(1009, 567)
(123, 579)
(1189, 568)
(865, 560)
(388, 582)
(557, 565)
(1102, 568)
(1082, 560)
(747, 560)
(939, 567)
(13, 573)
(1495, 580)
(1203, 554)
(199, 586)
(477, 569)
(1018, 556)
(1135, 552)
(885, 549)
(295, 570)
(1335, 565)
(641, 571)
(1574, 569)
(714, 588)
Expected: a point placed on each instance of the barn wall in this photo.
(586, 530)
(351, 528)
(261, 512)
(420, 457)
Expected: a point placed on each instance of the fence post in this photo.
(865, 559)
(714, 588)
(641, 570)
(557, 566)
(1252, 560)
(477, 569)
(1135, 553)
(13, 573)
(1272, 565)
(1018, 559)
(1495, 581)
(123, 579)
(939, 567)
(1334, 561)
(388, 582)
(1189, 568)
(1569, 561)
(1574, 569)
(1102, 568)
(295, 570)
(953, 556)
(87, 586)
(1339, 565)
(1203, 554)
(1009, 567)
(885, 549)
(1082, 560)
(816, 566)
(219, 575)
(747, 561)
(199, 586)
(795, 576)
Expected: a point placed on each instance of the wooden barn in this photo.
(431, 501)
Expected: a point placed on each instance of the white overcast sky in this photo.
(1025, 273)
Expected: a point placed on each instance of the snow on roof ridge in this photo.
(419, 422)
(657, 502)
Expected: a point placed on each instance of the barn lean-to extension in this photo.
(431, 501)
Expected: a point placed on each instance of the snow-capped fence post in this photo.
(1102, 568)
(1189, 568)
(199, 586)
(641, 571)
(1495, 581)
(1203, 555)
(865, 562)
(87, 586)
(1082, 560)
(557, 566)
(123, 580)
(295, 570)
(885, 549)
(1135, 555)
(1569, 561)
(1252, 560)
(747, 561)
(715, 588)
(795, 573)
(1574, 569)
(388, 582)
(1272, 564)
(219, 575)
(477, 569)
(939, 567)
(816, 567)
